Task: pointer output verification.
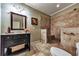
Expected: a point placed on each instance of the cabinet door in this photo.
(27, 39)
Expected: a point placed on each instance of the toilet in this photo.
(59, 52)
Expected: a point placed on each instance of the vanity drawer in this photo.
(6, 37)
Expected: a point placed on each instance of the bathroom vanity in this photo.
(12, 42)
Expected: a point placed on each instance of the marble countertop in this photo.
(15, 33)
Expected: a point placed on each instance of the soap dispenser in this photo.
(9, 30)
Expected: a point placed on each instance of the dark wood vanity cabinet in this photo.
(13, 40)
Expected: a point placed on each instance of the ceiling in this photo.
(48, 8)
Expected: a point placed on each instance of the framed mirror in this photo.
(18, 21)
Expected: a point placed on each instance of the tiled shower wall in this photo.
(68, 18)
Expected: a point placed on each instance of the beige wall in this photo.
(66, 18)
(27, 11)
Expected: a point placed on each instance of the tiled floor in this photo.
(42, 49)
